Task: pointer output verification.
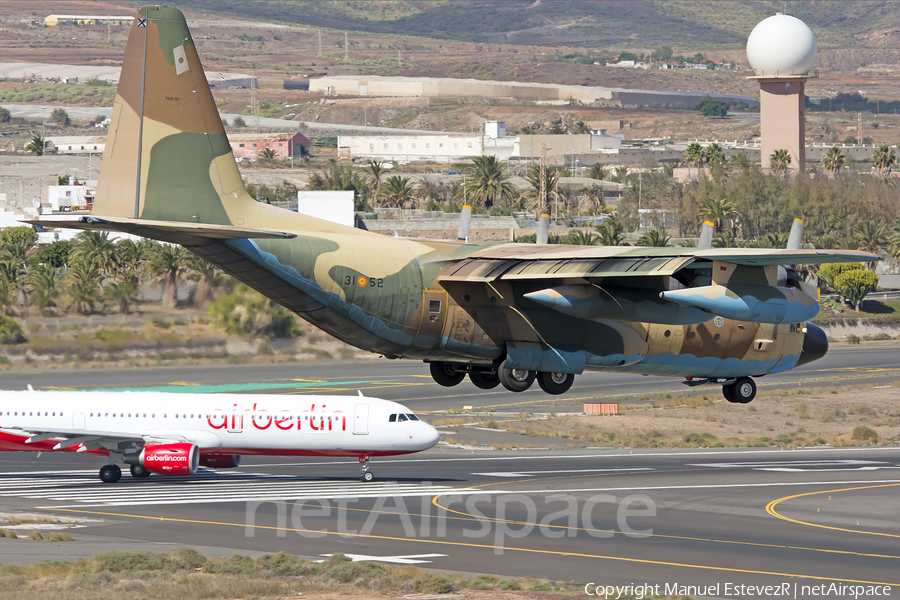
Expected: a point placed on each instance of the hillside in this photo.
(632, 24)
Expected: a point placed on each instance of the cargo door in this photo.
(78, 417)
(433, 317)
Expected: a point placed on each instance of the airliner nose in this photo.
(430, 436)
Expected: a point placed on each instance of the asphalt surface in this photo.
(409, 381)
(702, 517)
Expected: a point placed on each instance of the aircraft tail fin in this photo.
(167, 157)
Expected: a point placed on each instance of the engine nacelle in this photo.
(220, 461)
(171, 459)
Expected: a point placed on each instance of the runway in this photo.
(688, 517)
(409, 382)
(695, 517)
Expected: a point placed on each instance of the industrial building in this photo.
(450, 147)
(74, 144)
(371, 85)
(249, 145)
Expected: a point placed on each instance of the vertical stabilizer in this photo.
(167, 157)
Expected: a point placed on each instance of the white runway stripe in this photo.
(85, 488)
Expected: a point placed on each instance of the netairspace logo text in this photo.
(733, 590)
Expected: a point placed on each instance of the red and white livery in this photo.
(175, 434)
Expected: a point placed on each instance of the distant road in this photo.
(36, 111)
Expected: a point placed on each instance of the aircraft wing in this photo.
(529, 261)
(87, 440)
(185, 234)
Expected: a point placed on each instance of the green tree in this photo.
(712, 108)
(17, 234)
(376, 172)
(833, 160)
(168, 266)
(551, 178)
(487, 182)
(398, 191)
(830, 271)
(44, 283)
(577, 237)
(96, 247)
(247, 313)
(267, 154)
(124, 291)
(729, 239)
(654, 237)
(612, 231)
(718, 210)
(780, 161)
(557, 129)
(714, 155)
(207, 278)
(855, 285)
(884, 158)
(4, 115)
(37, 145)
(580, 127)
(694, 154)
(59, 115)
(55, 254)
(597, 171)
(131, 255)
(83, 286)
(238, 122)
(871, 237)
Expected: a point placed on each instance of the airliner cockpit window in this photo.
(392, 418)
(412, 417)
(402, 417)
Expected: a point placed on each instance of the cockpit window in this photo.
(412, 417)
(393, 419)
(402, 417)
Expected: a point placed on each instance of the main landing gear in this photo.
(514, 380)
(110, 473)
(139, 471)
(365, 474)
(738, 391)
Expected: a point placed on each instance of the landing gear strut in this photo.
(110, 473)
(741, 390)
(365, 474)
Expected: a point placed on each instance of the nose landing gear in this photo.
(365, 474)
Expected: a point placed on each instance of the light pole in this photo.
(640, 197)
(366, 117)
(43, 119)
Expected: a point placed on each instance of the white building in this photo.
(73, 144)
(71, 197)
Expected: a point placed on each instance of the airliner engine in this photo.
(168, 459)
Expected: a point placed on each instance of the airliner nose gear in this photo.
(365, 474)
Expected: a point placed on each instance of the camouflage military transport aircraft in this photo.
(500, 313)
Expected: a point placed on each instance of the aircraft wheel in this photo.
(743, 390)
(139, 471)
(110, 473)
(446, 375)
(515, 380)
(555, 383)
(367, 477)
(726, 391)
(484, 380)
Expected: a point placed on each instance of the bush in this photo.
(698, 438)
(10, 331)
(285, 565)
(247, 313)
(864, 434)
(59, 536)
(132, 560)
(783, 439)
(18, 234)
(852, 339)
(185, 559)
(236, 564)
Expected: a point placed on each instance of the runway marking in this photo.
(527, 473)
(86, 489)
(770, 508)
(793, 465)
(490, 547)
(407, 559)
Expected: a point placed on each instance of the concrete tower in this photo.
(782, 51)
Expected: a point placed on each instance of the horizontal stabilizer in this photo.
(743, 302)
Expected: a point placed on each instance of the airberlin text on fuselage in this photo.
(314, 420)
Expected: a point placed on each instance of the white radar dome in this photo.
(781, 45)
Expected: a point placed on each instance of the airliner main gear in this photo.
(110, 473)
(139, 471)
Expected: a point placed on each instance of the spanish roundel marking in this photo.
(361, 281)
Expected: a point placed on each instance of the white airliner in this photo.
(175, 434)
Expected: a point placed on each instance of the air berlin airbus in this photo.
(174, 434)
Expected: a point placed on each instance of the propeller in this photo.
(706, 235)
(787, 274)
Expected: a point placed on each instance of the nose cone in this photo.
(429, 436)
(815, 344)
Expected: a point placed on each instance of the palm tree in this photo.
(713, 154)
(124, 291)
(577, 237)
(207, 273)
(551, 178)
(168, 266)
(621, 174)
(95, 246)
(267, 154)
(335, 177)
(43, 280)
(729, 239)
(131, 256)
(871, 237)
(780, 161)
(884, 158)
(717, 210)
(592, 197)
(376, 172)
(487, 182)
(611, 231)
(597, 171)
(83, 284)
(824, 242)
(654, 237)
(37, 145)
(773, 240)
(580, 127)
(557, 129)
(397, 190)
(833, 160)
(694, 154)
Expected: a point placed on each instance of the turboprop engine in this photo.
(168, 459)
(746, 302)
